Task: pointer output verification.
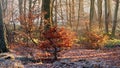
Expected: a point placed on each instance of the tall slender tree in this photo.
(81, 6)
(3, 40)
(115, 18)
(106, 16)
(109, 11)
(56, 6)
(92, 12)
(73, 19)
(61, 11)
(70, 15)
(46, 8)
(99, 4)
(20, 2)
(79, 11)
(67, 12)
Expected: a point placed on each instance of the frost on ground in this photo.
(73, 58)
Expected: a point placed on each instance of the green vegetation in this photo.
(112, 43)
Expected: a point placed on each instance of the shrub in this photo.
(112, 43)
(56, 39)
(94, 40)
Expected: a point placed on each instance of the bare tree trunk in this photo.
(70, 17)
(82, 6)
(20, 9)
(51, 12)
(61, 11)
(3, 39)
(67, 12)
(56, 6)
(106, 17)
(115, 18)
(46, 8)
(79, 11)
(30, 5)
(109, 11)
(24, 7)
(14, 26)
(92, 11)
(73, 13)
(4, 6)
(99, 4)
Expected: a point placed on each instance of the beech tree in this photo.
(99, 5)
(108, 15)
(46, 8)
(92, 11)
(3, 40)
(56, 40)
(115, 17)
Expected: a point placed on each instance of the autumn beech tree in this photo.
(56, 40)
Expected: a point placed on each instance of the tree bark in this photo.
(3, 40)
(81, 6)
(106, 17)
(61, 11)
(92, 12)
(20, 10)
(99, 4)
(70, 15)
(79, 12)
(46, 8)
(115, 18)
(56, 6)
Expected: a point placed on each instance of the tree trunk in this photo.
(46, 9)
(61, 11)
(79, 12)
(106, 17)
(51, 12)
(30, 5)
(67, 12)
(92, 11)
(99, 2)
(73, 18)
(109, 11)
(3, 40)
(56, 6)
(70, 16)
(81, 6)
(115, 18)
(20, 9)
(14, 25)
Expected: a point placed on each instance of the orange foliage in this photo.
(95, 40)
(27, 20)
(60, 37)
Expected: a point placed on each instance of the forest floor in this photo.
(111, 56)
